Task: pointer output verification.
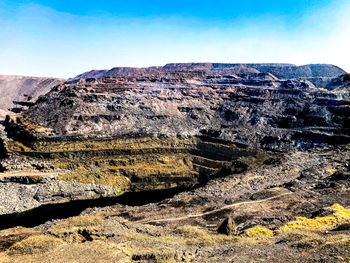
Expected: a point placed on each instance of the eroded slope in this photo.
(15, 90)
(151, 129)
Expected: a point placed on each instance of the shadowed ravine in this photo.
(48, 212)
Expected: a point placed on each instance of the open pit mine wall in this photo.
(158, 130)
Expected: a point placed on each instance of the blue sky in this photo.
(64, 38)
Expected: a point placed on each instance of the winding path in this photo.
(211, 211)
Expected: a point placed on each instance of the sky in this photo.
(62, 38)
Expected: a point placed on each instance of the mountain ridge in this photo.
(15, 89)
(303, 71)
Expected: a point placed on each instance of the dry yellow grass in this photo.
(258, 232)
(165, 239)
(339, 216)
(126, 144)
(184, 235)
(308, 239)
(196, 236)
(88, 252)
(299, 232)
(332, 171)
(35, 245)
(115, 171)
(77, 222)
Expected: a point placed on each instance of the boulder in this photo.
(227, 227)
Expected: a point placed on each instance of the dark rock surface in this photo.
(172, 127)
(256, 110)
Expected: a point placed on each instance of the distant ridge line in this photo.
(280, 70)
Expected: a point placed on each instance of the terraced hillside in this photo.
(202, 162)
(174, 127)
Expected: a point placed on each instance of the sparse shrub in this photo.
(297, 235)
(258, 232)
(159, 255)
(341, 238)
(308, 243)
(307, 239)
(35, 245)
(79, 221)
(347, 243)
(142, 237)
(195, 236)
(77, 228)
(164, 258)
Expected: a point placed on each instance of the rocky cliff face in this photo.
(238, 105)
(106, 133)
(16, 90)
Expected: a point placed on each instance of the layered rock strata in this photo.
(254, 110)
(132, 130)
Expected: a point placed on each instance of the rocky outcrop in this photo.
(20, 90)
(125, 130)
(340, 84)
(282, 71)
(290, 71)
(254, 110)
(31, 191)
(227, 227)
(319, 74)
